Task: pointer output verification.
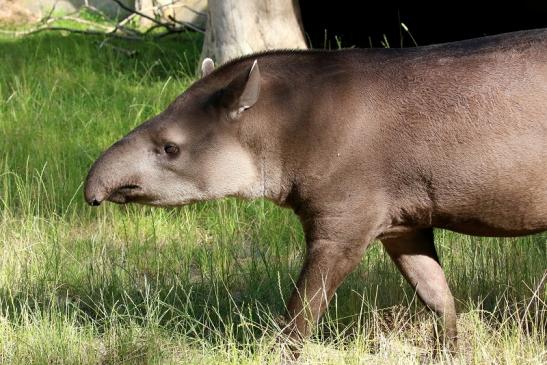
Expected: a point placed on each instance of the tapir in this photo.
(361, 144)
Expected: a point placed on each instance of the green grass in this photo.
(204, 283)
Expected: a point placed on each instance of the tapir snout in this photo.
(114, 176)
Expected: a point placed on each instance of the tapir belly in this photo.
(504, 195)
(492, 226)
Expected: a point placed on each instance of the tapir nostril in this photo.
(128, 187)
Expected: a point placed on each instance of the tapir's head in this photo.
(189, 152)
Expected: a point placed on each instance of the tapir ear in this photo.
(242, 93)
(207, 66)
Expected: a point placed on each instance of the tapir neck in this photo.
(273, 177)
(265, 141)
(275, 180)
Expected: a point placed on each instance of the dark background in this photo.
(443, 21)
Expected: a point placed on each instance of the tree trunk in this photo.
(239, 27)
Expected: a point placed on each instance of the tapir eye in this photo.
(170, 149)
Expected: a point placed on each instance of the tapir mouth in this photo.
(125, 194)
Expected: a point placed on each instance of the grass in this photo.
(204, 283)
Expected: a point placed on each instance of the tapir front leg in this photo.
(416, 257)
(326, 265)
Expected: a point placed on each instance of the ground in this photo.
(204, 283)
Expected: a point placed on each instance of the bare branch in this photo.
(66, 29)
(186, 24)
(152, 28)
(173, 4)
(133, 11)
(168, 26)
(50, 12)
(172, 31)
(127, 19)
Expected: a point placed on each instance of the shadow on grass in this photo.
(186, 298)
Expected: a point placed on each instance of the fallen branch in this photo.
(120, 30)
(66, 29)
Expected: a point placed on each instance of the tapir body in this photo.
(362, 144)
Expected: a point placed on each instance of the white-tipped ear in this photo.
(242, 92)
(249, 96)
(207, 66)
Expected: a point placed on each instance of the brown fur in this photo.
(365, 144)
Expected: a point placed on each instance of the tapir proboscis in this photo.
(362, 144)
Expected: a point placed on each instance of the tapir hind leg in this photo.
(416, 257)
